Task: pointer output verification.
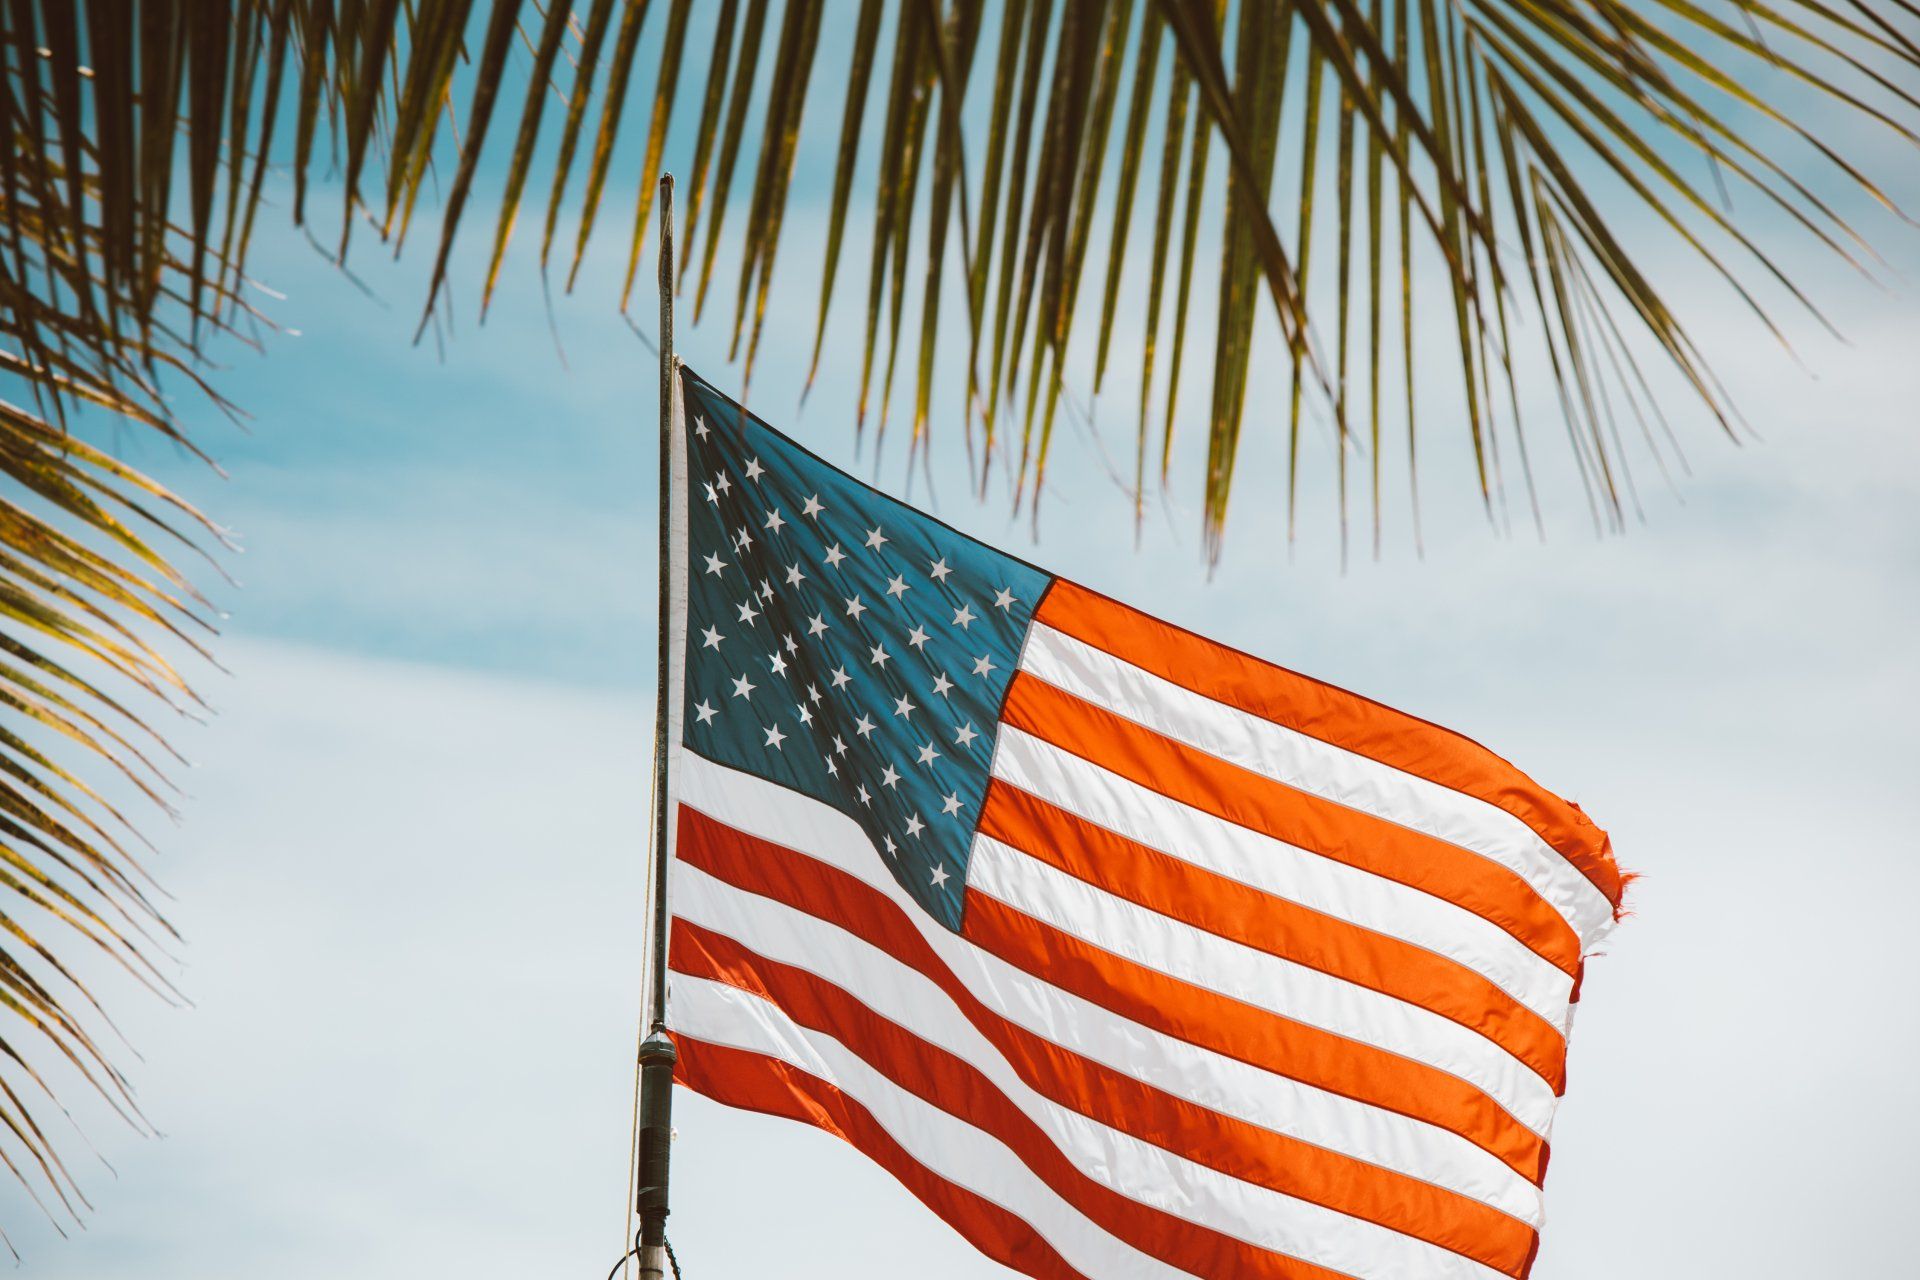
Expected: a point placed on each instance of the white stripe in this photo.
(942, 1143)
(1252, 858)
(904, 995)
(721, 1014)
(1319, 768)
(1266, 981)
(1184, 1070)
(673, 624)
(1108, 1155)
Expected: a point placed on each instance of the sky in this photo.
(409, 874)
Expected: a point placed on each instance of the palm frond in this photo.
(102, 301)
(1506, 158)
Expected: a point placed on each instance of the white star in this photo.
(950, 803)
(892, 848)
(964, 736)
(711, 495)
(875, 538)
(700, 426)
(743, 688)
(709, 638)
(774, 522)
(915, 826)
(879, 656)
(866, 797)
(743, 539)
(779, 664)
(806, 715)
(939, 876)
(816, 624)
(840, 676)
(791, 645)
(928, 755)
(723, 484)
(813, 507)
(766, 590)
(775, 737)
(714, 563)
(813, 694)
(984, 666)
(889, 777)
(939, 571)
(1004, 600)
(941, 684)
(901, 707)
(795, 577)
(704, 711)
(834, 556)
(917, 638)
(896, 586)
(839, 747)
(962, 616)
(855, 608)
(747, 612)
(863, 726)
(754, 469)
(832, 768)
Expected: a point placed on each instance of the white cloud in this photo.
(413, 900)
(410, 897)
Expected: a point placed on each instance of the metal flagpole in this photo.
(656, 1051)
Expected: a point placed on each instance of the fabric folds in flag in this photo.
(1127, 953)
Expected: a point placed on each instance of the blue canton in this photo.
(844, 644)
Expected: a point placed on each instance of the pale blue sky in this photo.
(409, 872)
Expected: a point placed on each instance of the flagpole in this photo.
(656, 1051)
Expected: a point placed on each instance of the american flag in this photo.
(1128, 954)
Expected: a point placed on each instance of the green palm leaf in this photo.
(1497, 150)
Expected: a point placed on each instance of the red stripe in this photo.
(1265, 922)
(756, 1082)
(1332, 715)
(1185, 1012)
(958, 1088)
(1259, 803)
(1253, 1035)
(1399, 1203)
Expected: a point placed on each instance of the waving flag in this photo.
(1128, 954)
